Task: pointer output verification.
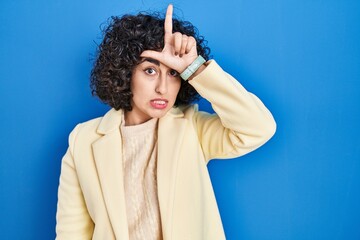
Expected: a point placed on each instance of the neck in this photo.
(132, 119)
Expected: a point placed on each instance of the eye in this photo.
(174, 73)
(150, 71)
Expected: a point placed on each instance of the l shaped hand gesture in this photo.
(179, 49)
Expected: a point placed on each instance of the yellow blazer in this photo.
(91, 202)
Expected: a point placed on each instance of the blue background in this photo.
(302, 58)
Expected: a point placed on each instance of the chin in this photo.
(159, 113)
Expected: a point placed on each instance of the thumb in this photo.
(152, 54)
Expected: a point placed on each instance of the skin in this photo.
(154, 87)
(155, 81)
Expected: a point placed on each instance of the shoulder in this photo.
(184, 111)
(194, 115)
(187, 109)
(89, 125)
(88, 131)
(84, 130)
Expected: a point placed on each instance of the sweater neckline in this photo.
(139, 129)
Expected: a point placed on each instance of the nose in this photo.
(162, 84)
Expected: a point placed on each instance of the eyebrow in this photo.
(151, 60)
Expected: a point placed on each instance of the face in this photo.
(155, 88)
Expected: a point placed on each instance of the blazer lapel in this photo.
(170, 137)
(108, 159)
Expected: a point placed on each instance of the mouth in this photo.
(159, 103)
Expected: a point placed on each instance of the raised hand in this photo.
(179, 50)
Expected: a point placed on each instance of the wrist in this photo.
(194, 68)
(197, 72)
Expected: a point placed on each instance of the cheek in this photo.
(175, 90)
(137, 80)
(138, 86)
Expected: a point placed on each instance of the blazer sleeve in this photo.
(241, 124)
(72, 218)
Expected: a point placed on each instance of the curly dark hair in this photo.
(125, 38)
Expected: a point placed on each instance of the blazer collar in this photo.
(112, 119)
(110, 122)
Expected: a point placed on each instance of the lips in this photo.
(159, 103)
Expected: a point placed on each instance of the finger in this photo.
(168, 24)
(190, 44)
(177, 42)
(184, 43)
(152, 54)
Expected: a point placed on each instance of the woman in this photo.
(139, 172)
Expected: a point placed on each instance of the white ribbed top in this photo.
(140, 183)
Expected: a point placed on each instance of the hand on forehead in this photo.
(179, 49)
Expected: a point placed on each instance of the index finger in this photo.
(168, 21)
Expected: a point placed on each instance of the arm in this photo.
(242, 122)
(73, 220)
